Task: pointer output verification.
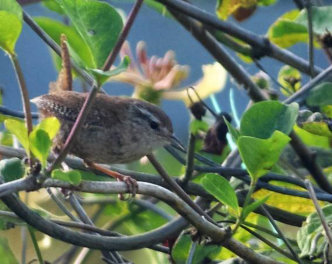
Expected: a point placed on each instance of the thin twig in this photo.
(276, 227)
(5, 111)
(190, 160)
(112, 256)
(131, 18)
(177, 189)
(319, 212)
(35, 245)
(269, 243)
(308, 6)
(301, 94)
(191, 252)
(62, 206)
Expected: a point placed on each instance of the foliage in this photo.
(268, 174)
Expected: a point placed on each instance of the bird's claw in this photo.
(131, 185)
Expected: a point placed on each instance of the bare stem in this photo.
(190, 160)
(319, 211)
(112, 56)
(24, 94)
(177, 189)
(35, 245)
(311, 37)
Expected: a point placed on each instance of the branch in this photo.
(300, 95)
(133, 242)
(262, 45)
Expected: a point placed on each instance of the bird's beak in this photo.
(176, 143)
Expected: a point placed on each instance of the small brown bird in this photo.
(116, 130)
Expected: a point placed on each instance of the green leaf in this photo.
(260, 155)
(103, 76)
(53, 6)
(18, 129)
(40, 145)
(50, 125)
(11, 169)
(321, 19)
(78, 47)
(327, 110)
(100, 35)
(253, 206)
(263, 118)
(311, 139)
(310, 237)
(320, 95)
(72, 176)
(181, 249)
(285, 32)
(198, 125)
(266, 2)
(6, 254)
(318, 128)
(232, 130)
(221, 189)
(290, 79)
(10, 24)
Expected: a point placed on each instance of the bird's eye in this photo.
(154, 125)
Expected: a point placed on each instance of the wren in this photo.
(116, 130)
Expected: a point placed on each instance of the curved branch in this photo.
(133, 242)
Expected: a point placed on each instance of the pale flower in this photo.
(213, 81)
(154, 78)
(151, 76)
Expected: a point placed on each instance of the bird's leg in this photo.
(131, 183)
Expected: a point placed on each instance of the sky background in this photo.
(160, 34)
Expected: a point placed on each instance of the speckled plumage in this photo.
(116, 130)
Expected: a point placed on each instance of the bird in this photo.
(117, 129)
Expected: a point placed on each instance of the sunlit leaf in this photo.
(221, 189)
(226, 8)
(40, 145)
(290, 79)
(260, 155)
(100, 35)
(72, 176)
(327, 110)
(289, 203)
(285, 32)
(50, 125)
(318, 128)
(311, 139)
(18, 129)
(10, 24)
(263, 118)
(11, 169)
